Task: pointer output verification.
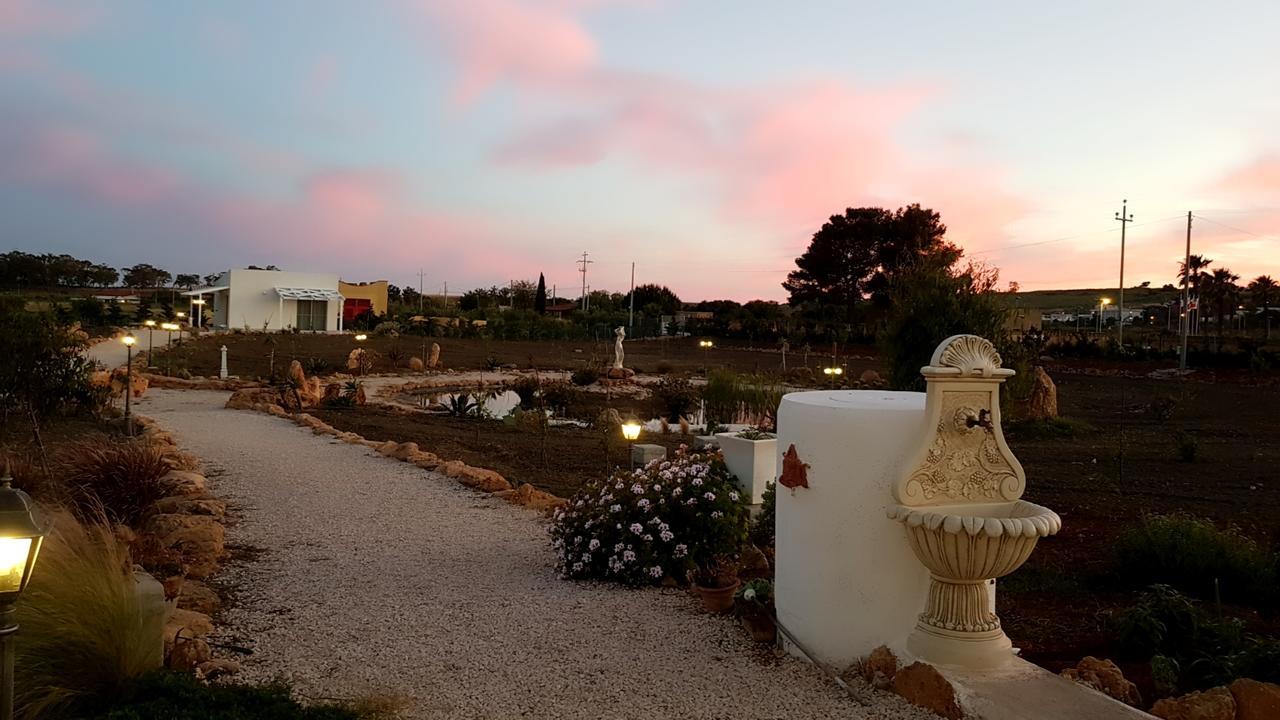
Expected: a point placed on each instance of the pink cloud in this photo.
(499, 40)
(69, 157)
(37, 17)
(1259, 179)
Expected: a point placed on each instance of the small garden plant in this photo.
(653, 524)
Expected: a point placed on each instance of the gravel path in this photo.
(376, 575)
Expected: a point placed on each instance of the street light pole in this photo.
(1124, 219)
(128, 341)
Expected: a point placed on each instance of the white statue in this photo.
(618, 335)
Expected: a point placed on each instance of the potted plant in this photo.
(716, 582)
(752, 457)
(754, 604)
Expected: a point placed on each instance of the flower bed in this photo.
(651, 525)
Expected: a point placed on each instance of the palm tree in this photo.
(1262, 292)
(1195, 266)
(1220, 288)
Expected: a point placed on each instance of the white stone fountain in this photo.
(960, 502)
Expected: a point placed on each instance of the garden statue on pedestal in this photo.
(617, 372)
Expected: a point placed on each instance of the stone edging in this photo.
(190, 522)
(477, 478)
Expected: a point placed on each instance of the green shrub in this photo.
(584, 376)
(652, 524)
(676, 396)
(179, 696)
(86, 634)
(526, 387)
(561, 397)
(721, 398)
(762, 527)
(1191, 554)
(119, 476)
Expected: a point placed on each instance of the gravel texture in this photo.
(373, 575)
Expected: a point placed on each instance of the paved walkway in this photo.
(374, 574)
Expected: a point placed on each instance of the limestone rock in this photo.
(425, 460)
(483, 480)
(620, 373)
(1256, 700)
(531, 497)
(923, 686)
(187, 624)
(1214, 704)
(416, 364)
(1105, 677)
(356, 358)
(870, 377)
(1043, 402)
(434, 362)
(198, 538)
(360, 398)
(880, 667)
(217, 667)
(332, 392)
(187, 654)
(181, 482)
(296, 374)
(198, 597)
(404, 450)
(387, 447)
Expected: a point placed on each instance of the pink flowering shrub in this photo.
(660, 521)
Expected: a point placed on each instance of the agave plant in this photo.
(463, 405)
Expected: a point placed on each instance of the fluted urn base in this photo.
(959, 626)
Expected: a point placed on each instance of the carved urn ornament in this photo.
(960, 501)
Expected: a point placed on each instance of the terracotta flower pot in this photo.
(718, 600)
(760, 624)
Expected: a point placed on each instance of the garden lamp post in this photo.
(128, 341)
(20, 539)
(834, 373)
(706, 346)
(151, 328)
(197, 311)
(168, 356)
(631, 432)
(1102, 309)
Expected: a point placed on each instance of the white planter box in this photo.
(753, 462)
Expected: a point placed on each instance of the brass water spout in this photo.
(982, 419)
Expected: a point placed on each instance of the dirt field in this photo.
(570, 457)
(248, 355)
(1234, 479)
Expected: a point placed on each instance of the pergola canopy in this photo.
(207, 290)
(297, 293)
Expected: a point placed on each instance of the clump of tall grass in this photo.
(86, 633)
(120, 477)
(1196, 557)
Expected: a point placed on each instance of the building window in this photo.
(312, 314)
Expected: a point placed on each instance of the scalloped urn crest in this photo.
(963, 458)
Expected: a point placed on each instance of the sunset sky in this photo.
(486, 140)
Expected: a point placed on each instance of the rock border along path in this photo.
(374, 574)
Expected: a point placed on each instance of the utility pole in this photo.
(1125, 218)
(420, 275)
(584, 262)
(1186, 290)
(631, 311)
(446, 295)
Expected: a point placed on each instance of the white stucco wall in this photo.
(253, 299)
(846, 579)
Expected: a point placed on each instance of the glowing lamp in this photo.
(197, 301)
(833, 371)
(1105, 301)
(20, 540)
(149, 323)
(181, 314)
(631, 430)
(705, 343)
(129, 340)
(361, 337)
(169, 326)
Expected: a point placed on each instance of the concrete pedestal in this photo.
(642, 454)
(845, 577)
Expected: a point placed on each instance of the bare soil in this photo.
(559, 462)
(249, 355)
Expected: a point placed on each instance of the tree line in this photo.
(47, 271)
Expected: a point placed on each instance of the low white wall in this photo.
(846, 579)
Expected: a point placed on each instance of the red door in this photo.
(352, 307)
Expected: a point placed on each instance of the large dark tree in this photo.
(855, 256)
(660, 295)
(143, 275)
(540, 298)
(186, 280)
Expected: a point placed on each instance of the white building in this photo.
(272, 300)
